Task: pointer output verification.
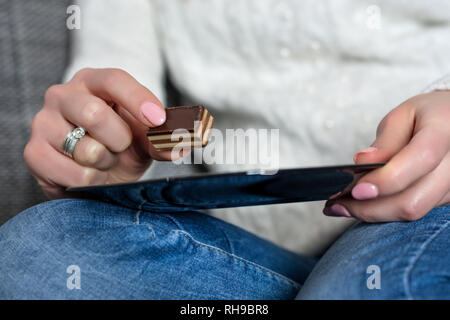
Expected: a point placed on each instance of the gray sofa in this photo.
(34, 47)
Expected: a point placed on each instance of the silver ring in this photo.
(71, 140)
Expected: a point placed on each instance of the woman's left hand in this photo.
(414, 140)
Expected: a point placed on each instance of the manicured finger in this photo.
(420, 156)
(411, 204)
(120, 87)
(139, 132)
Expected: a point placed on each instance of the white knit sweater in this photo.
(324, 72)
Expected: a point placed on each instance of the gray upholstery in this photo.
(33, 54)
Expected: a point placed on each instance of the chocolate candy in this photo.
(195, 121)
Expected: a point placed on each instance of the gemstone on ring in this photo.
(78, 133)
(71, 140)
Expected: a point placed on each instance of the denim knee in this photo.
(410, 260)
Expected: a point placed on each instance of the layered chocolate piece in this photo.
(194, 125)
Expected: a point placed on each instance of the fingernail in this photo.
(334, 196)
(336, 210)
(364, 191)
(367, 150)
(153, 113)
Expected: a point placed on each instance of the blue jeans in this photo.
(87, 249)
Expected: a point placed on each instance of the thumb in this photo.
(393, 133)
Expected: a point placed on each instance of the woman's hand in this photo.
(115, 110)
(414, 140)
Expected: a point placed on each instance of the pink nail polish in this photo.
(334, 196)
(153, 113)
(367, 150)
(364, 191)
(327, 211)
(336, 210)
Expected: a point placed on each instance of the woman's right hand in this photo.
(115, 110)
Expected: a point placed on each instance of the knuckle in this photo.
(95, 152)
(418, 101)
(128, 139)
(411, 211)
(37, 121)
(29, 152)
(33, 154)
(384, 123)
(391, 179)
(93, 114)
(114, 76)
(429, 157)
(81, 74)
(53, 93)
(365, 216)
(87, 177)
